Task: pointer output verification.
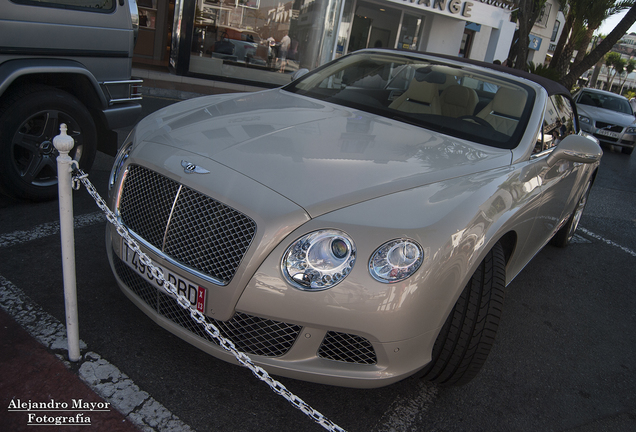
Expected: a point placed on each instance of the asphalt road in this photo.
(564, 357)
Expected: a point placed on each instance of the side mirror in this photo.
(576, 148)
(299, 73)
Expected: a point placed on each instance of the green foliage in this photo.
(544, 71)
(612, 59)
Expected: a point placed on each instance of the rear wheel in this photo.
(30, 118)
(468, 334)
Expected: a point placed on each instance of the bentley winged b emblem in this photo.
(190, 168)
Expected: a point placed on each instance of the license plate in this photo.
(193, 292)
(608, 133)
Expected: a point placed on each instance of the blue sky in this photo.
(609, 24)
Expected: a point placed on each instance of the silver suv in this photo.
(62, 61)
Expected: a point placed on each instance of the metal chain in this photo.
(211, 329)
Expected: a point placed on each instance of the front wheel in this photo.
(564, 236)
(30, 118)
(468, 334)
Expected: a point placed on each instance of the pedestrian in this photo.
(284, 47)
(271, 52)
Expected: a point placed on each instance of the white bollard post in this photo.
(64, 144)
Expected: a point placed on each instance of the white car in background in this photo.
(607, 116)
(359, 225)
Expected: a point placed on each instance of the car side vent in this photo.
(347, 348)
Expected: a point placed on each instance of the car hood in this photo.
(605, 115)
(319, 155)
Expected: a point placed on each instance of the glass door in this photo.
(410, 31)
(374, 26)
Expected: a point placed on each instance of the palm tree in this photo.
(629, 68)
(595, 14)
(601, 49)
(526, 15)
(619, 67)
(612, 60)
(583, 18)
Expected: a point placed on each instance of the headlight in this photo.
(631, 129)
(319, 260)
(396, 260)
(585, 120)
(122, 155)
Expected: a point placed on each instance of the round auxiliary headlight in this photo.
(319, 260)
(396, 260)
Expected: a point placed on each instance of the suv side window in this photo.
(558, 122)
(93, 5)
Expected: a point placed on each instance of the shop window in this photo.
(147, 13)
(248, 40)
(467, 42)
(555, 30)
(544, 15)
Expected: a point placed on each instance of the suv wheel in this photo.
(30, 118)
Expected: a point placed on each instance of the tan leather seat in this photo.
(504, 111)
(421, 96)
(458, 101)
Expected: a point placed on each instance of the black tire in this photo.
(30, 118)
(564, 236)
(468, 334)
(627, 150)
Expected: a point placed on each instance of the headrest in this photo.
(457, 92)
(422, 91)
(509, 102)
(427, 74)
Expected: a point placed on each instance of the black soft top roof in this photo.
(551, 87)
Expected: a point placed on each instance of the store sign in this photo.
(535, 42)
(485, 12)
(455, 7)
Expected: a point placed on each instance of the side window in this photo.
(93, 5)
(558, 123)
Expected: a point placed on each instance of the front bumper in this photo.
(620, 139)
(294, 350)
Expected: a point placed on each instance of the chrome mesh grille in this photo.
(250, 334)
(193, 229)
(347, 348)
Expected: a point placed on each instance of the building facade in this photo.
(545, 33)
(267, 40)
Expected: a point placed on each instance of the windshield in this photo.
(609, 102)
(494, 110)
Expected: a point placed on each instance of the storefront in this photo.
(267, 40)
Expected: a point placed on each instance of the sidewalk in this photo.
(158, 81)
(32, 374)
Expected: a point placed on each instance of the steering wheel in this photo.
(480, 121)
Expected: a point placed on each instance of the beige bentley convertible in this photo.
(357, 226)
